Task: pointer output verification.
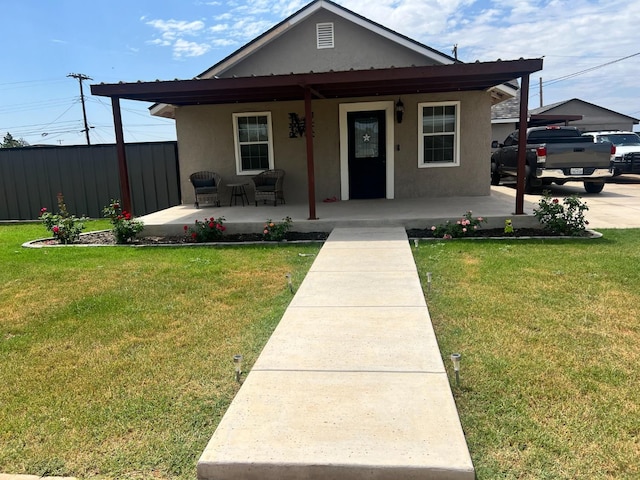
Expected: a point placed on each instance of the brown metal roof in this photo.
(355, 83)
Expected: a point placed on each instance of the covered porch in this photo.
(408, 213)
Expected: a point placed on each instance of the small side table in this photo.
(238, 191)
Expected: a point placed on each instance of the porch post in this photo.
(522, 142)
(123, 172)
(311, 180)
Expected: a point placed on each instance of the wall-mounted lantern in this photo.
(399, 110)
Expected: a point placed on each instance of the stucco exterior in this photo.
(354, 47)
(206, 142)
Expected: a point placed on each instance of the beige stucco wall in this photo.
(205, 142)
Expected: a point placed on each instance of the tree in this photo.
(10, 142)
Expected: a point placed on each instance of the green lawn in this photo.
(116, 362)
(549, 333)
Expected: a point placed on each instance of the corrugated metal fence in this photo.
(87, 176)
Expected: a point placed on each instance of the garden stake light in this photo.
(455, 358)
(415, 242)
(237, 363)
(428, 282)
(288, 276)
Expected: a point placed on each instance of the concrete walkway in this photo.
(351, 384)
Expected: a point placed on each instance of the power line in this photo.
(581, 72)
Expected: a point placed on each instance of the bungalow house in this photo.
(346, 107)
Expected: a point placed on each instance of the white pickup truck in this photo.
(627, 156)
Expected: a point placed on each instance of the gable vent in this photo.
(324, 32)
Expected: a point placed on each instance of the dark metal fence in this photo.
(87, 176)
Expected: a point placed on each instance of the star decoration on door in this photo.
(366, 137)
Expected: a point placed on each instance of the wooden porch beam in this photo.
(522, 143)
(308, 133)
(123, 172)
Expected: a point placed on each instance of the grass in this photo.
(549, 334)
(116, 362)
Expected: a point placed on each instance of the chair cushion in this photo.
(270, 181)
(266, 188)
(203, 182)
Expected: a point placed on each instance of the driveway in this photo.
(617, 206)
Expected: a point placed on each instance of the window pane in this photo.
(255, 156)
(243, 129)
(366, 137)
(439, 148)
(449, 119)
(427, 120)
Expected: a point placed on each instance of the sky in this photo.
(590, 52)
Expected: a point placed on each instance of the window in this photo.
(254, 149)
(438, 136)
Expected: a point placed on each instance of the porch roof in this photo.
(353, 83)
(344, 84)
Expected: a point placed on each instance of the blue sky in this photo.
(44, 41)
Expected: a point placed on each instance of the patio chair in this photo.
(268, 186)
(206, 184)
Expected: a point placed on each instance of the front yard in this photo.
(117, 362)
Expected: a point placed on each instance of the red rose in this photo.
(211, 224)
(194, 235)
(186, 228)
(55, 229)
(127, 216)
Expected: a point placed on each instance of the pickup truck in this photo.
(627, 157)
(555, 154)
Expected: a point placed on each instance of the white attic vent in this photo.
(324, 33)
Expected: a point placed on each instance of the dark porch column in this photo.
(308, 133)
(123, 172)
(522, 142)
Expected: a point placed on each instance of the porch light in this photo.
(455, 358)
(399, 110)
(237, 363)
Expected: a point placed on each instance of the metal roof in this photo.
(343, 84)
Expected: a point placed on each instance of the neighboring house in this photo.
(389, 117)
(575, 112)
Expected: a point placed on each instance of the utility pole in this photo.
(80, 77)
(541, 101)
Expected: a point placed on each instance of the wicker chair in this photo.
(206, 184)
(268, 186)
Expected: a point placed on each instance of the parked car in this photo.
(627, 157)
(555, 154)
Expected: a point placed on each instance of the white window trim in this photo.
(421, 135)
(236, 141)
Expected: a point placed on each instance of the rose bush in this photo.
(208, 230)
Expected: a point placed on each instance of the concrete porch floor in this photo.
(408, 213)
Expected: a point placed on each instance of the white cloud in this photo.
(183, 48)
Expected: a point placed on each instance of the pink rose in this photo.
(433, 228)
(55, 229)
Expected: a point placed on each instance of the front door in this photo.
(367, 149)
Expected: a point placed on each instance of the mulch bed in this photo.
(107, 238)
